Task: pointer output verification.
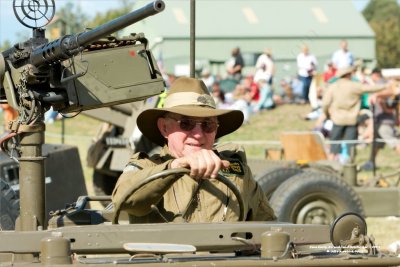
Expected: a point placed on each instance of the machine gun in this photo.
(47, 72)
(36, 75)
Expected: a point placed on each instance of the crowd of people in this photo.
(248, 93)
(345, 100)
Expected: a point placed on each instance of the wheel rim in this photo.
(315, 212)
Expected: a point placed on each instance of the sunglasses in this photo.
(208, 126)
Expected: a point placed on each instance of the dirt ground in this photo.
(385, 230)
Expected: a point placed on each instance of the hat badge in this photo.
(206, 100)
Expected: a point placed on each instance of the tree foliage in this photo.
(71, 18)
(100, 18)
(384, 18)
(75, 20)
(5, 45)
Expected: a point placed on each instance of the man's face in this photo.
(215, 87)
(183, 142)
(375, 76)
(305, 50)
(343, 45)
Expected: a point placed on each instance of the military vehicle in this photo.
(36, 75)
(299, 191)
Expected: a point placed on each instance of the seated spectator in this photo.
(218, 94)
(240, 101)
(287, 90)
(207, 78)
(297, 90)
(329, 72)
(252, 87)
(266, 100)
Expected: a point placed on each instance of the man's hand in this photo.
(203, 164)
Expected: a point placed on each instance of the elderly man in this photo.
(187, 127)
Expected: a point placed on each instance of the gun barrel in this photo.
(68, 46)
(121, 22)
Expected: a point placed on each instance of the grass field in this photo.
(265, 127)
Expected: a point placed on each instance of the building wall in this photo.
(283, 26)
(176, 52)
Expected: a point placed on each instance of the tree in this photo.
(5, 45)
(73, 16)
(75, 20)
(384, 18)
(100, 18)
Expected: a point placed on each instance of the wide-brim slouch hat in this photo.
(344, 71)
(188, 97)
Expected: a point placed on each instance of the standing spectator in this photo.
(342, 58)
(307, 66)
(265, 67)
(235, 65)
(384, 106)
(341, 103)
(315, 97)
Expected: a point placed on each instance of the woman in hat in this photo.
(186, 127)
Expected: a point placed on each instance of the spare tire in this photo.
(314, 198)
(270, 179)
(9, 206)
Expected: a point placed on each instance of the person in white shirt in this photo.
(307, 66)
(342, 58)
(265, 67)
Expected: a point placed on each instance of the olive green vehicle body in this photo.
(215, 245)
(78, 236)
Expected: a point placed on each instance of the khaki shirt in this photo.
(214, 202)
(342, 100)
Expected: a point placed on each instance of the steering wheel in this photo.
(179, 172)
